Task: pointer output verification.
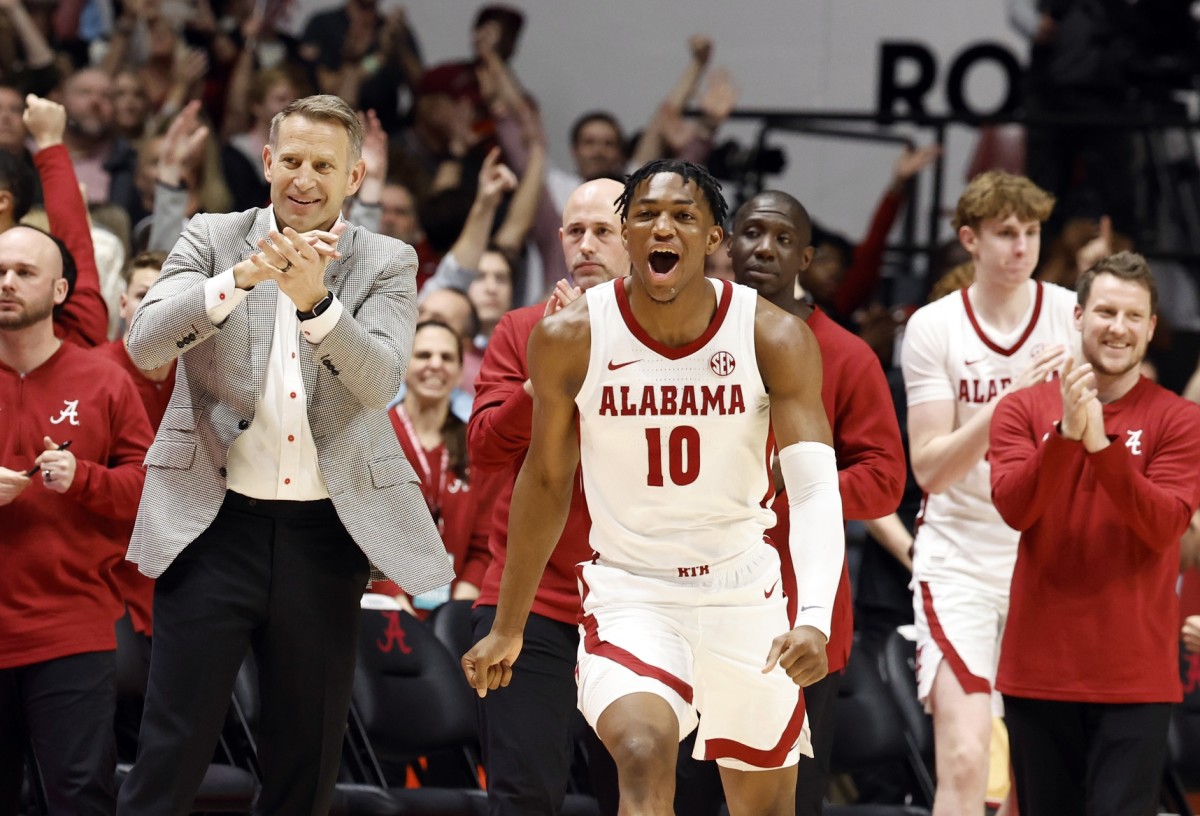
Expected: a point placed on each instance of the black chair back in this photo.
(451, 624)
(868, 731)
(898, 668)
(409, 691)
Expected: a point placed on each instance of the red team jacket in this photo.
(1094, 611)
(57, 595)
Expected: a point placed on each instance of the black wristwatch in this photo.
(318, 309)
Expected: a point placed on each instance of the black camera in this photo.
(732, 161)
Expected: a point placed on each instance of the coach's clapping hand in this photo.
(296, 261)
(801, 653)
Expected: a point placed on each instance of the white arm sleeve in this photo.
(816, 541)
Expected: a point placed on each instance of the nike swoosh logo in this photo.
(767, 593)
(973, 362)
(811, 606)
(614, 366)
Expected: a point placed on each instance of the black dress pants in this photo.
(1093, 759)
(526, 728)
(64, 709)
(284, 579)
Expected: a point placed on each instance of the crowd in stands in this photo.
(121, 120)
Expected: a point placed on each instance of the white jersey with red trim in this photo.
(675, 444)
(949, 353)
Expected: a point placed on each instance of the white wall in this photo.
(622, 55)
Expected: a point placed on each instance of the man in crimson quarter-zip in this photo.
(1098, 473)
(73, 433)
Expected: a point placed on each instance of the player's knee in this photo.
(644, 750)
(962, 765)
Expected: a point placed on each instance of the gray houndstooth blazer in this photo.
(349, 379)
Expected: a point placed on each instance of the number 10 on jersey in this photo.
(683, 455)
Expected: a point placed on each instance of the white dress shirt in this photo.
(276, 458)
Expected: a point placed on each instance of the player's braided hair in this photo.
(688, 171)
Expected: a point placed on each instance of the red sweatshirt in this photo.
(1094, 614)
(870, 457)
(465, 509)
(135, 588)
(57, 595)
(498, 437)
(84, 317)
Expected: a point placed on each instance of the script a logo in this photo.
(1134, 442)
(393, 636)
(69, 413)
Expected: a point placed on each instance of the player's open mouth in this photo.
(663, 261)
(301, 202)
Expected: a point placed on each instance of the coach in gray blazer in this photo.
(275, 474)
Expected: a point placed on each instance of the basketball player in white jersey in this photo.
(658, 385)
(960, 355)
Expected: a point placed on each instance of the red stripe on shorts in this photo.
(592, 644)
(583, 588)
(757, 757)
(971, 684)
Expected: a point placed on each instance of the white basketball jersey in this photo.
(950, 354)
(675, 444)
